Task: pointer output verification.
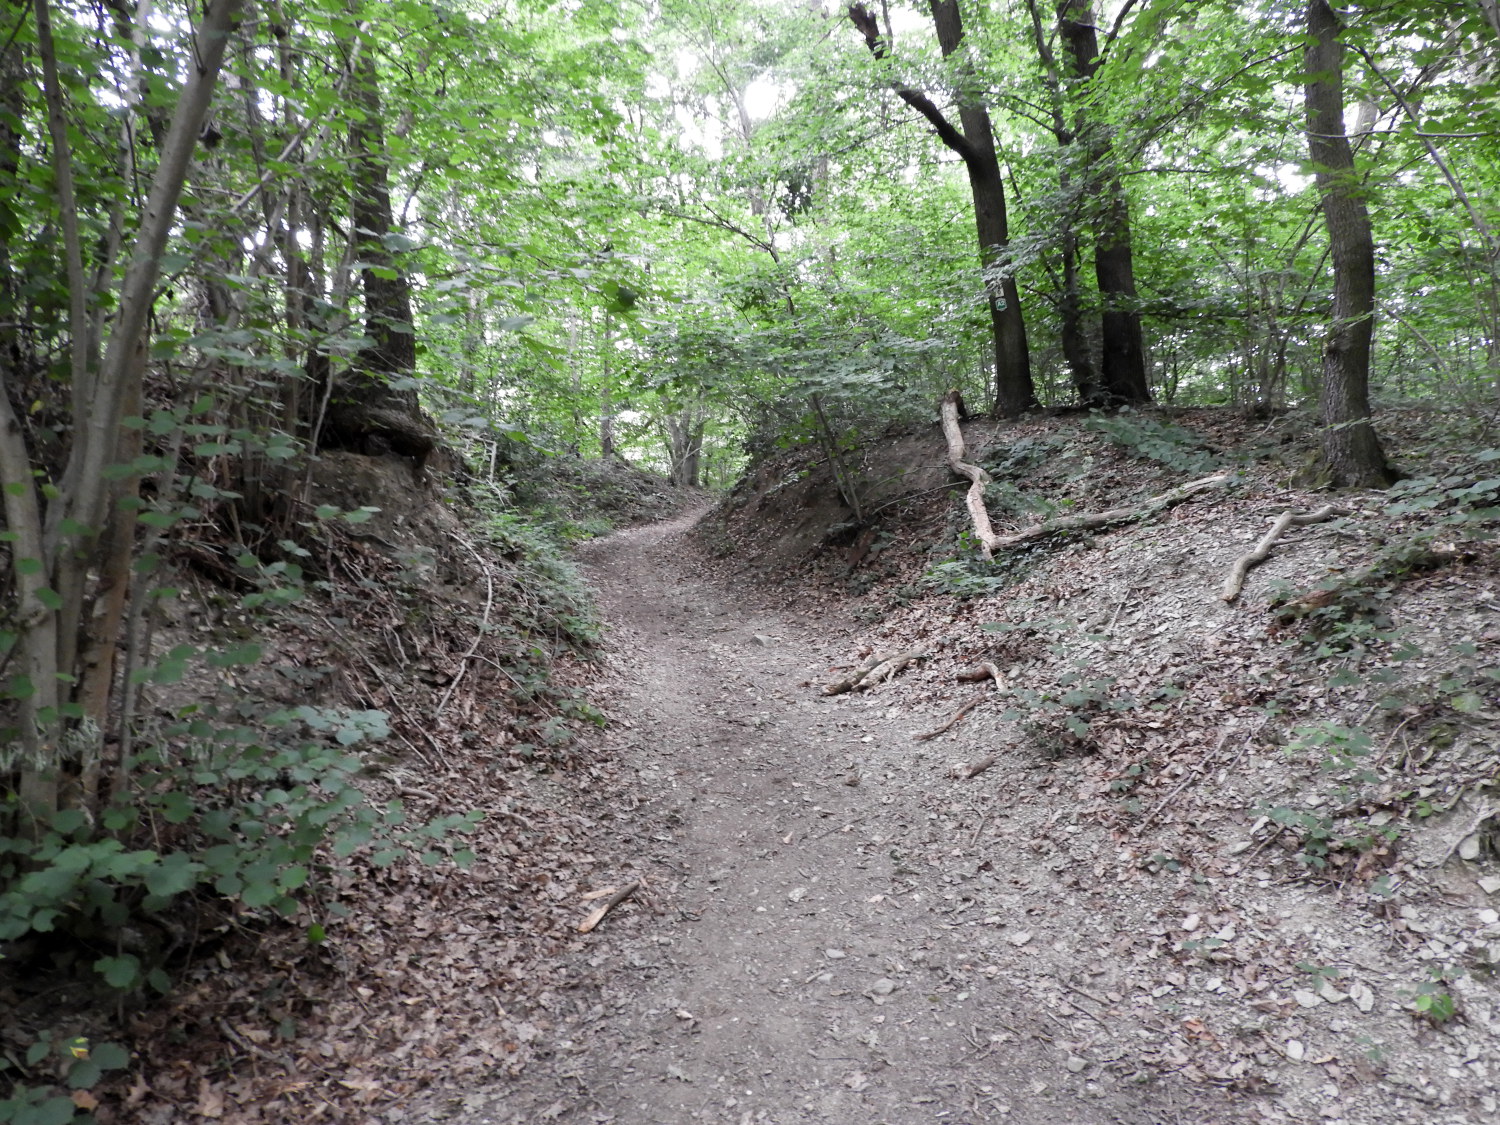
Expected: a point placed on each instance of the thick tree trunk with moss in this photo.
(1350, 444)
(1123, 353)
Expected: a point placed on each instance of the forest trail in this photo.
(804, 962)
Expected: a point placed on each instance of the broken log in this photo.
(876, 670)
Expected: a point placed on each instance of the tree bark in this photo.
(374, 407)
(1077, 353)
(1350, 444)
(1122, 357)
(975, 144)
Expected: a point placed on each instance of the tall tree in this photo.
(974, 143)
(1350, 444)
(374, 406)
(1122, 353)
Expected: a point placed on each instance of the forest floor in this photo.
(1183, 889)
(1222, 862)
(784, 961)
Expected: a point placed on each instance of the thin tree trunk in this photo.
(1075, 343)
(606, 394)
(374, 406)
(1122, 355)
(975, 144)
(1350, 444)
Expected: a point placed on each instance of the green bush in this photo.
(229, 812)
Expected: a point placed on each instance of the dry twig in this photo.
(609, 904)
(986, 671)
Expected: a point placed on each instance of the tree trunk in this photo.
(1077, 353)
(1014, 392)
(1122, 357)
(685, 446)
(374, 407)
(1350, 444)
(606, 394)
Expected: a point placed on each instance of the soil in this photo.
(1128, 917)
(794, 959)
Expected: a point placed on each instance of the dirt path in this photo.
(801, 968)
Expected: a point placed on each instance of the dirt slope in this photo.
(1227, 865)
(805, 962)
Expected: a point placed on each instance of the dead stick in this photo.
(1194, 773)
(953, 722)
(1235, 582)
(609, 904)
(980, 766)
(986, 671)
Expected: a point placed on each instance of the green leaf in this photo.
(83, 1074)
(123, 971)
(110, 1056)
(176, 874)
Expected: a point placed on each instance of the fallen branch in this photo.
(479, 635)
(980, 766)
(1235, 582)
(978, 478)
(953, 722)
(1085, 521)
(984, 530)
(876, 670)
(609, 904)
(985, 671)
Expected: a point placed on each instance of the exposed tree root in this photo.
(1235, 581)
(984, 530)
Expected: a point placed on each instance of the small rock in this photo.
(1241, 847)
(1305, 998)
(834, 954)
(763, 640)
(1019, 938)
(1295, 1050)
(857, 1081)
(796, 894)
(881, 988)
(852, 779)
(1190, 923)
(1363, 997)
(1489, 884)
(1075, 1064)
(1326, 990)
(1489, 917)
(1469, 848)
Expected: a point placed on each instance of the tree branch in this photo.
(865, 23)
